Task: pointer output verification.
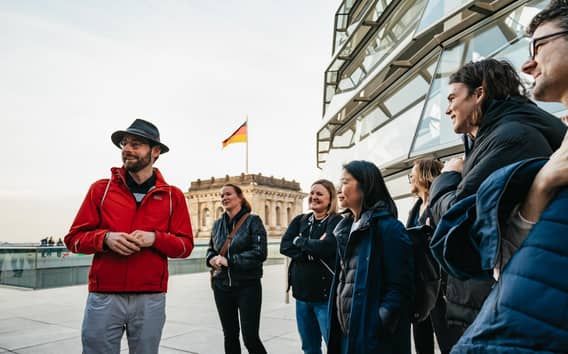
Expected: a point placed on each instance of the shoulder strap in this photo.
(227, 243)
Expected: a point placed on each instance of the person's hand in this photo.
(554, 173)
(222, 261)
(323, 236)
(454, 165)
(564, 119)
(218, 261)
(213, 262)
(144, 238)
(121, 243)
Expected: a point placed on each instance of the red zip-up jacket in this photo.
(110, 206)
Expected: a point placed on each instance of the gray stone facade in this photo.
(275, 200)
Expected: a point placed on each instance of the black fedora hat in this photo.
(143, 129)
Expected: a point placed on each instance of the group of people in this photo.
(493, 224)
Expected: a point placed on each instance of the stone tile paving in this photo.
(49, 321)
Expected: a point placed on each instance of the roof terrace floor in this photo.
(49, 321)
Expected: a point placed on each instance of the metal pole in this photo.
(247, 152)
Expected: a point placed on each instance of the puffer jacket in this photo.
(502, 139)
(246, 253)
(527, 310)
(110, 206)
(374, 303)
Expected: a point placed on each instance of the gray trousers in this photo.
(107, 316)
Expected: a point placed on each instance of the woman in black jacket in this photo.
(310, 243)
(423, 172)
(236, 276)
(488, 104)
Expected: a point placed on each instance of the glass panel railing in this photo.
(49, 267)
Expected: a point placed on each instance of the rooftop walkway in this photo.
(49, 321)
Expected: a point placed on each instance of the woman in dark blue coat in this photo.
(373, 285)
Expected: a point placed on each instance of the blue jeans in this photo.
(313, 323)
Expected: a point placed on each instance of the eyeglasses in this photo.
(536, 43)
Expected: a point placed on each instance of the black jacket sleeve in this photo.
(321, 248)
(398, 274)
(211, 252)
(255, 255)
(287, 247)
(443, 194)
(508, 145)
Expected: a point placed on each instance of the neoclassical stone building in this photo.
(275, 200)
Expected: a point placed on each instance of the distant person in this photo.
(237, 250)
(423, 172)
(132, 222)
(310, 243)
(372, 288)
(50, 244)
(488, 104)
(528, 221)
(60, 244)
(43, 244)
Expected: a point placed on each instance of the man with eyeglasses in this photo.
(526, 310)
(131, 222)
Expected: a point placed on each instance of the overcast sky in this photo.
(73, 72)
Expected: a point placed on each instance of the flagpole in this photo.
(247, 152)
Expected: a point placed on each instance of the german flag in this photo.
(239, 136)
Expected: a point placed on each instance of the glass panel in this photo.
(402, 26)
(399, 186)
(437, 10)
(403, 206)
(500, 39)
(391, 142)
(344, 139)
(371, 120)
(408, 94)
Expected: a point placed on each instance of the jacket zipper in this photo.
(229, 268)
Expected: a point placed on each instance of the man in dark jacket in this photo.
(132, 223)
(522, 313)
(504, 127)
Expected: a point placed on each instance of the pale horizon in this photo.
(73, 73)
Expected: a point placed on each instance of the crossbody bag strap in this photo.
(227, 243)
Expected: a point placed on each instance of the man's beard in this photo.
(138, 164)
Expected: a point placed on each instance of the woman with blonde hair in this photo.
(423, 173)
(310, 243)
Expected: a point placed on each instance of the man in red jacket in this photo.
(131, 222)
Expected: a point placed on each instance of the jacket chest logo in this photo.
(158, 197)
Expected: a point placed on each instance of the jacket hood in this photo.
(496, 199)
(467, 240)
(523, 110)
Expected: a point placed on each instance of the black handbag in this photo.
(427, 273)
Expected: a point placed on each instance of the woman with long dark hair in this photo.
(236, 252)
(372, 290)
(310, 243)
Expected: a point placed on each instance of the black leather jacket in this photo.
(247, 251)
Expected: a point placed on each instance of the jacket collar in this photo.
(119, 173)
(377, 210)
